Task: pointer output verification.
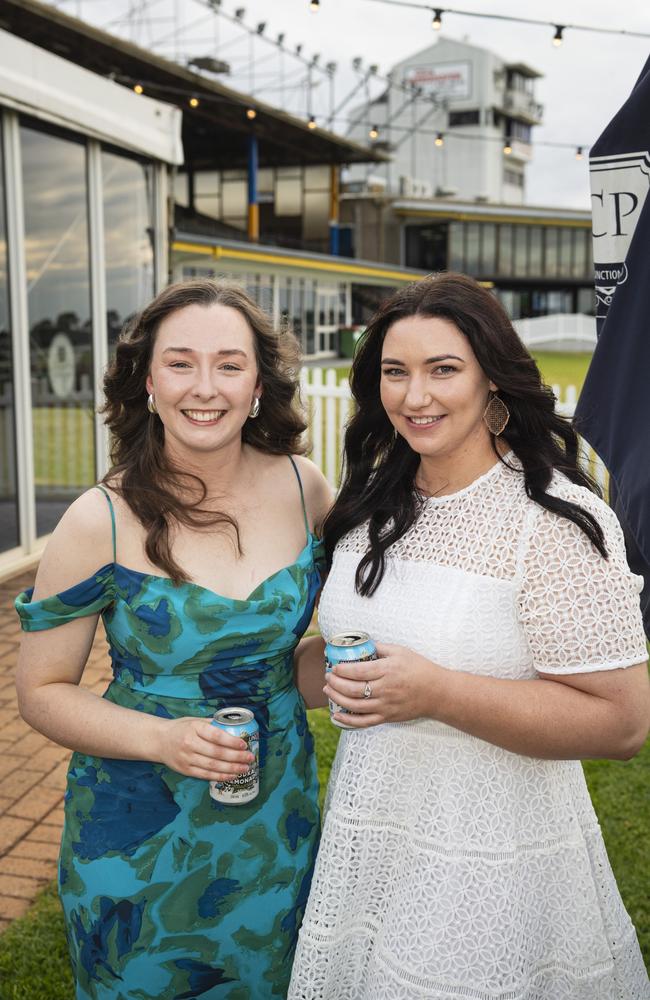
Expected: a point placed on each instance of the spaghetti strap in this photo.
(113, 530)
(302, 497)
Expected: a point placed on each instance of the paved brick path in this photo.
(32, 772)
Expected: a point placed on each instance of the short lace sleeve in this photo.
(89, 597)
(580, 612)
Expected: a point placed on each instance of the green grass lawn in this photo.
(33, 957)
(563, 369)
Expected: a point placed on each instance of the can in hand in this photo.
(240, 788)
(343, 648)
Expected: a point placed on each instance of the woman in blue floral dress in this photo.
(200, 553)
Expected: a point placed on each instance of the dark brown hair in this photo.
(379, 466)
(155, 489)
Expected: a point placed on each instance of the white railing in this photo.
(328, 402)
(329, 405)
(559, 331)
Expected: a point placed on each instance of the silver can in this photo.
(241, 788)
(345, 648)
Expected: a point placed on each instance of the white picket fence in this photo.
(329, 406)
(64, 433)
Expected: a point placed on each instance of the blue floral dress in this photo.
(167, 893)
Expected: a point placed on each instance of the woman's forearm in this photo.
(309, 670)
(76, 718)
(539, 717)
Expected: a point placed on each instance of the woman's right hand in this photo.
(196, 748)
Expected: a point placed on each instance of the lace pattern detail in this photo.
(580, 611)
(450, 869)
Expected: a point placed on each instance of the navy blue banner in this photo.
(613, 412)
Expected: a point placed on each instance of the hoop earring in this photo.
(496, 415)
(151, 404)
(255, 408)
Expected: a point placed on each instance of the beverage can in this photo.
(344, 648)
(241, 788)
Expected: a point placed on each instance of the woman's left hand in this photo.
(395, 688)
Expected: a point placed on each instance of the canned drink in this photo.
(242, 787)
(343, 648)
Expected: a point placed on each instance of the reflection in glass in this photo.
(8, 492)
(456, 250)
(566, 239)
(472, 259)
(488, 248)
(128, 238)
(535, 260)
(551, 259)
(60, 331)
(520, 251)
(581, 262)
(505, 249)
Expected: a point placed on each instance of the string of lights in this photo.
(557, 38)
(375, 130)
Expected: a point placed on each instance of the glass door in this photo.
(9, 535)
(59, 314)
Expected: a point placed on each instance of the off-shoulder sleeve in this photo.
(580, 611)
(89, 597)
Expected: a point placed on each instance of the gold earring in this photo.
(496, 415)
(255, 408)
(151, 404)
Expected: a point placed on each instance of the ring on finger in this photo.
(367, 691)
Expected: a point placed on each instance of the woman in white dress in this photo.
(461, 858)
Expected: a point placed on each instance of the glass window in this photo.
(343, 304)
(297, 311)
(128, 238)
(550, 252)
(60, 331)
(8, 491)
(309, 317)
(456, 250)
(581, 261)
(284, 302)
(520, 234)
(535, 251)
(509, 301)
(566, 239)
(463, 118)
(586, 301)
(560, 300)
(472, 247)
(488, 248)
(505, 249)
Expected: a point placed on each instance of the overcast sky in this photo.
(585, 80)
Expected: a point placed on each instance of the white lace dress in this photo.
(450, 869)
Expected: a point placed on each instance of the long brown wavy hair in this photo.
(380, 467)
(158, 492)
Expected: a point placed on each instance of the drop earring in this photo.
(496, 415)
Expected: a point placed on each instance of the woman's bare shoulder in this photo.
(319, 495)
(80, 544)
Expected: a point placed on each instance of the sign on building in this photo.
(444, 79)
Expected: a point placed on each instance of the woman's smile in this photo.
(203, 416)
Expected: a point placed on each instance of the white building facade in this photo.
(479, 108)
